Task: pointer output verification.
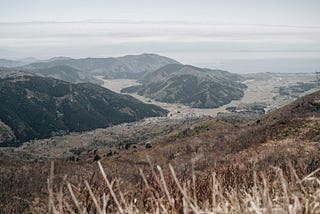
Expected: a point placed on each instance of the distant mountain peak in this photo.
(58, 58)
(129, 66)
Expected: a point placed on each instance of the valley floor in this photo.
(265, 90)
(260, 90)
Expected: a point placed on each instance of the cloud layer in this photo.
(197, 43)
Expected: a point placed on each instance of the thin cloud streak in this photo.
(135, 32)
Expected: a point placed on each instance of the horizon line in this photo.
(126, 21)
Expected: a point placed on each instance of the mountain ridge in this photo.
(129, 66)
(66, 73)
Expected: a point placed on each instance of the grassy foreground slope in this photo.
(218, 167)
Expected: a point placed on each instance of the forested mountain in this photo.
(38, 107)
(189, 85)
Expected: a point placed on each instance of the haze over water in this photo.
(243, 37)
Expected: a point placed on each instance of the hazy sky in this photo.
(284, 12)
(202, 32)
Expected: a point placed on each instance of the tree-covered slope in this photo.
(189, 85)
(38, 107)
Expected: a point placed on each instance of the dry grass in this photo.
(231, 153)
(266, 167)
(272, 191)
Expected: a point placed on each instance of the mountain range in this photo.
(162, 78)
(128, 67)
(62, 95)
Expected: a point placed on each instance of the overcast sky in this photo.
(207, 33)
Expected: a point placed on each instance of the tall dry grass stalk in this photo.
(167, 194)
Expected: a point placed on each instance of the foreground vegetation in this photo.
(269, 165)
(271, 191)
(292, 187)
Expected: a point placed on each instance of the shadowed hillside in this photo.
(38, 107)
